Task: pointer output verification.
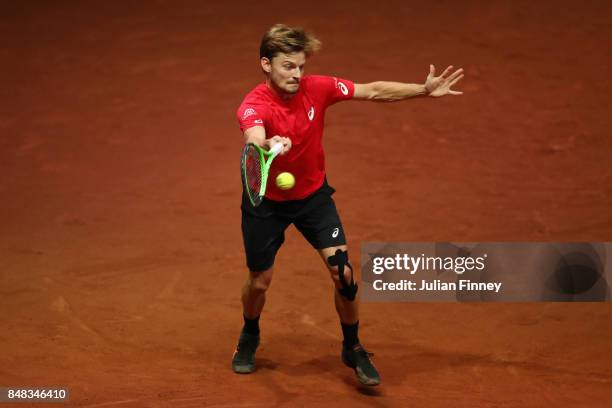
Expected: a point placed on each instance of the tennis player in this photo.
(289, 108)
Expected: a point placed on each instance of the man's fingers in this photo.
(286, 144)
(446, 71)
(432, 70)
(455, 74)
(275, 140)
(455, 93)
(454, 81)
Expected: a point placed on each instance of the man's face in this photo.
(285, 71)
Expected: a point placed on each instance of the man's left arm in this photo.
(384, 91)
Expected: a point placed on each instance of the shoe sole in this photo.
(243, 369)
(364, 379)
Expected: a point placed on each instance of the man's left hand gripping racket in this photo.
(254, 166)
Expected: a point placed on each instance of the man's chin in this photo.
(291, 89)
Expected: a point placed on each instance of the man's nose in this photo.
(297, 73)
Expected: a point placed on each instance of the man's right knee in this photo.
(260, 281)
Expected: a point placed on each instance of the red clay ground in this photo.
(121, 256)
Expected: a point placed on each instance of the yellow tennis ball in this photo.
(285, 181)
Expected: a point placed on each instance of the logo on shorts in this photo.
(336, 232)
(258, 121)
(311, 113)
(343, 88)
(248, 112)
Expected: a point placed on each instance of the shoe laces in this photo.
(363, 352)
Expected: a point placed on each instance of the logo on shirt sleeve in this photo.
(343, 88)
(248, 112)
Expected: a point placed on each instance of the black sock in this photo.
(251, 326)
(350, 333)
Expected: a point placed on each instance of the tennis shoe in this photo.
(243, 361)
(358, 359)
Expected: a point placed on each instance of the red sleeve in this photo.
(250, 115)
(332, 89)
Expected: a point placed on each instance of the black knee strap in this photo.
(340, 259)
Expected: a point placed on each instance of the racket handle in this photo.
(276, 149)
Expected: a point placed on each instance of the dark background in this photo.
(121, 254)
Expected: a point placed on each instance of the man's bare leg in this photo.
(347, 307)
(253, 300)
(348, 311)
(254, 292)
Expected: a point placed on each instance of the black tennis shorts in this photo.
(263, 227)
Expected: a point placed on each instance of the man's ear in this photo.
(266, 65)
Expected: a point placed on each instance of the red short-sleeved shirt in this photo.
(301, 119)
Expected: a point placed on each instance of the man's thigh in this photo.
(262, 238)
(320, 223)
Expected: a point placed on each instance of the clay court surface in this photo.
(121, 253)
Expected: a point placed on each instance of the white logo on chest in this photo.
(311, 113)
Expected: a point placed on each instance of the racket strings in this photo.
(253, 172)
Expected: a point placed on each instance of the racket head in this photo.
(252, 170)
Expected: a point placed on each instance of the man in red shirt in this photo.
(289, 108)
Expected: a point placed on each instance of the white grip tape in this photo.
(276, 149)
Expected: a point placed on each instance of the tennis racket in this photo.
(254, 166)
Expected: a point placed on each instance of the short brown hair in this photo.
(281, 38)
